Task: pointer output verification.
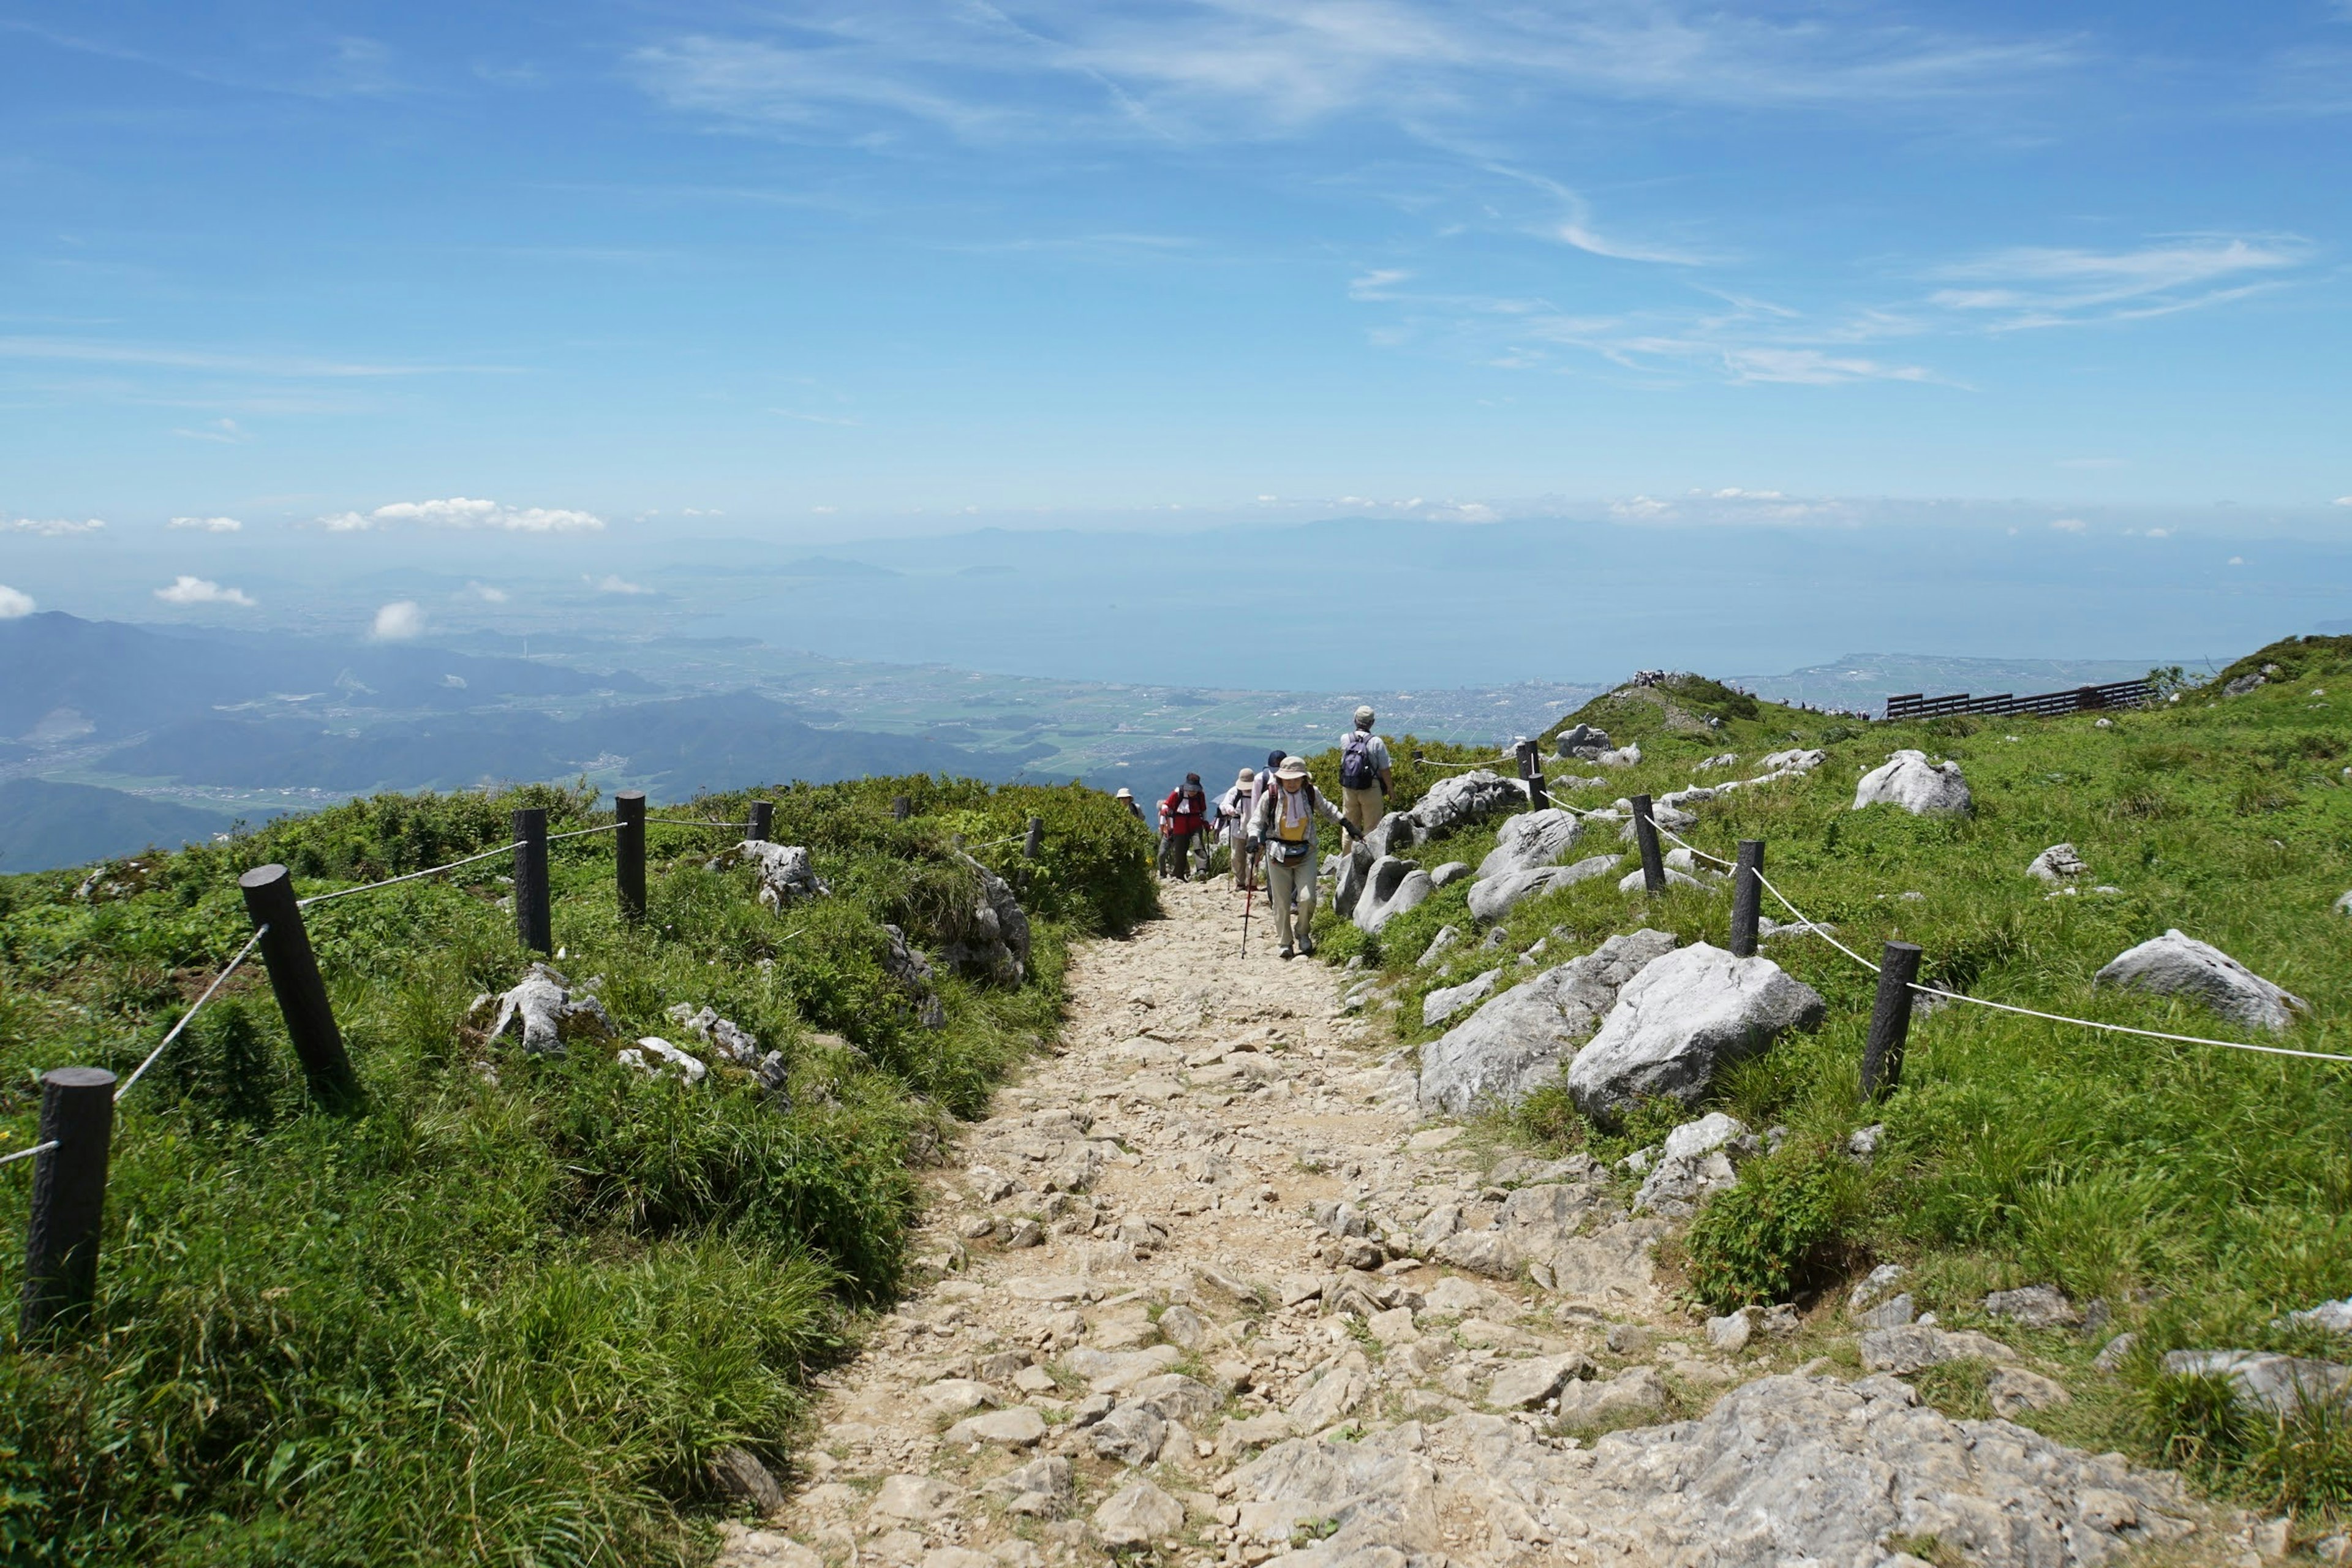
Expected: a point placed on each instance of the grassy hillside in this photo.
(506, 1308)
(2199, 1192)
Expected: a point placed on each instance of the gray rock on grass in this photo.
(1445, 938)
(1700, 1158)
(1915, 1346)
(1463, 798)
(1442, 1004)
(1907, 779)
(1635, 1394)
(787, 874)
(1516, 1041)
(546, 1010)
(1681, 1020)
(1496, 897)
(2279, 1386)
(1634, 882)
(2056, 864)
(2175, 964)
(2034, 1306)
(1521, 1384)
(1453, 872)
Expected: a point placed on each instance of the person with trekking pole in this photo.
(1364, 774)
(1232, 822)
(1284, 828)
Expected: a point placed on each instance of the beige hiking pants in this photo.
(1290, 889)
(1364, 807)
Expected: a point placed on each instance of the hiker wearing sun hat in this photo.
(1232, 822)
(1284, 825)
(1133, 805)
(1363, 775)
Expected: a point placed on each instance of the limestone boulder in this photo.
(2174, 964)
(1518, 1040)
(1447, 1001)
(1390, 887)
(1680, 1021)
(787, 874)
(1138, 1514)
(2278, 1385)
(1530, 839)
(1908, 780)
(1496, 897)
(2056, 865)
(1464, 798)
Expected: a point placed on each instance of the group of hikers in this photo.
(1267, 821)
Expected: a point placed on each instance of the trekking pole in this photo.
(1249, 896)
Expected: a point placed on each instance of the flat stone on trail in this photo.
(954, 1395)
(1040, 1487)
(1138, 1514)
(1430, 1138)
(918, 1499)
(1637, 1392)
(1046, 1290)
(1019, 1427)
(2177, 965)
(1522, 1383)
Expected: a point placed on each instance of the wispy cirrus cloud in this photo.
(106, 352)
(462, 512)
(1251, 69)
(205, 524)
(2037, 286)
(54, 527)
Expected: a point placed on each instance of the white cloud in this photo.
(398, 621)
(1813, 367)
(2344, 500)
(825, 511)
(485, 593)
(2159, 533)
(460, 512)
(54, 527)
(2237, 560)
(208, 525)
(1642, 507)
(2069, 524)
(225, 431)
(187, 590)
(2039, 286)
(613, 583)
(14, 604)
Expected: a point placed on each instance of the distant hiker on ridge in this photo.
(1363, 775)
(1133, 805)
(1284, 824)
(1232, 822)
(1183, 818)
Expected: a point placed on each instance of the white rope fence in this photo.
(1815, 928)
(189, 1016)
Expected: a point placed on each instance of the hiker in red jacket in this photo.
(1184, 819)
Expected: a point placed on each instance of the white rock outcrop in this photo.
(1923, 788)
(1680, 1020)
(1496, 897)
(1518, 1040)
(1530, 839)
(2056, 864)
(1390, 887)
(2174, 964)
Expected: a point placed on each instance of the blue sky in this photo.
(559, 273)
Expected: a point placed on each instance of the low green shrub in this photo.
(1784, 1229)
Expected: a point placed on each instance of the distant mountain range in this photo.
(44, 825)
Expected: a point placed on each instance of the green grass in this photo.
(504, 1308)
(2200, 1191)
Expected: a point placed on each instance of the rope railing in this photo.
(189, 1016)
(1815, 928)
(410, 877)
(28, 1154)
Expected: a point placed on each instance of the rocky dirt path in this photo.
(1211, 1291)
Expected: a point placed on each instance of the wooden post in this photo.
(1890, 1020)
(69, 1197)
(629, 854)
(294, 976)
(1747, 897)
(763, 822)
(902, 808)
(1645, 835)
(532, 918)
(1531, 770)
(1033, 844)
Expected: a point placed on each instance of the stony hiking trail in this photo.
(1211, 1290)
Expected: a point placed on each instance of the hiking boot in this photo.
(1306, 946)
(1287, 954)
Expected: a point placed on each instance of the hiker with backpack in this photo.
(1363, 775)
(1232, 824)
(1283, 828)
(1183, 818)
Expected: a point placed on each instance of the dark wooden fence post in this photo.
(69, 1197)
(1890, 1020)
(1645, 835)
(1032, 843)
(1531, 772)
(763, 822)
(533, 923)
(902, 808)
(1747, 897)
(294, 976)
(629, 854)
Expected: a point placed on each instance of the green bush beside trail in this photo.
(506, 1309)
